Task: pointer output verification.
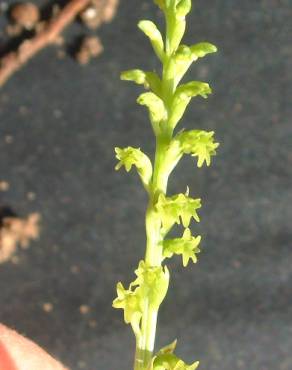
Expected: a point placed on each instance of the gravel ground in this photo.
(59, 125)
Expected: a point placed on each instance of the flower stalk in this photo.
(166, 102)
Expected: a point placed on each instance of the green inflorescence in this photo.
(166, 101)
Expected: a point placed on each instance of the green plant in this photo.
(166, 101)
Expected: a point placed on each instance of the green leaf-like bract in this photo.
(129, 301)
(165, 359)
(135, 75)
(150, 80)
(156, 107)
(183, 96)
(186, 55)
(177, 209)
(171, 362)
(201, 49)
(152, 32)
(129, 157)
(186, 246)
(169, 348)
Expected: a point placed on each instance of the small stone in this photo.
(31, 195)
(90, 47)
(91, 17)
(109, 10)
(57, 113)
(237, 108)
(9, 139)
(81, 364)
(92, 324)
(23, 110)
(48, 307)
(75, 269)
(15, 260)
(26, 15)
(84, 309)
(82, 57)
(17, 232)
(4, 185)
(98, 12)
(236, 264)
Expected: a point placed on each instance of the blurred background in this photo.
(59, 125)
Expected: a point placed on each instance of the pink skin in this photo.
(19, 353)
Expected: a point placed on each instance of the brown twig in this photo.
(14, 60)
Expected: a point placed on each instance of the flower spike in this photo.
(166, 100)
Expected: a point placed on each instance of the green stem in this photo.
(153, 257)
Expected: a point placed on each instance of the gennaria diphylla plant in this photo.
(166, 101)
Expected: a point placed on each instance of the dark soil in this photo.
(59, 126)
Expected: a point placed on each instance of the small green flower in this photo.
(129, 157)
(199, 144)
(186, 246)
(177, 209)
(129, 301)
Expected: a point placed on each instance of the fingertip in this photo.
(20, 353)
